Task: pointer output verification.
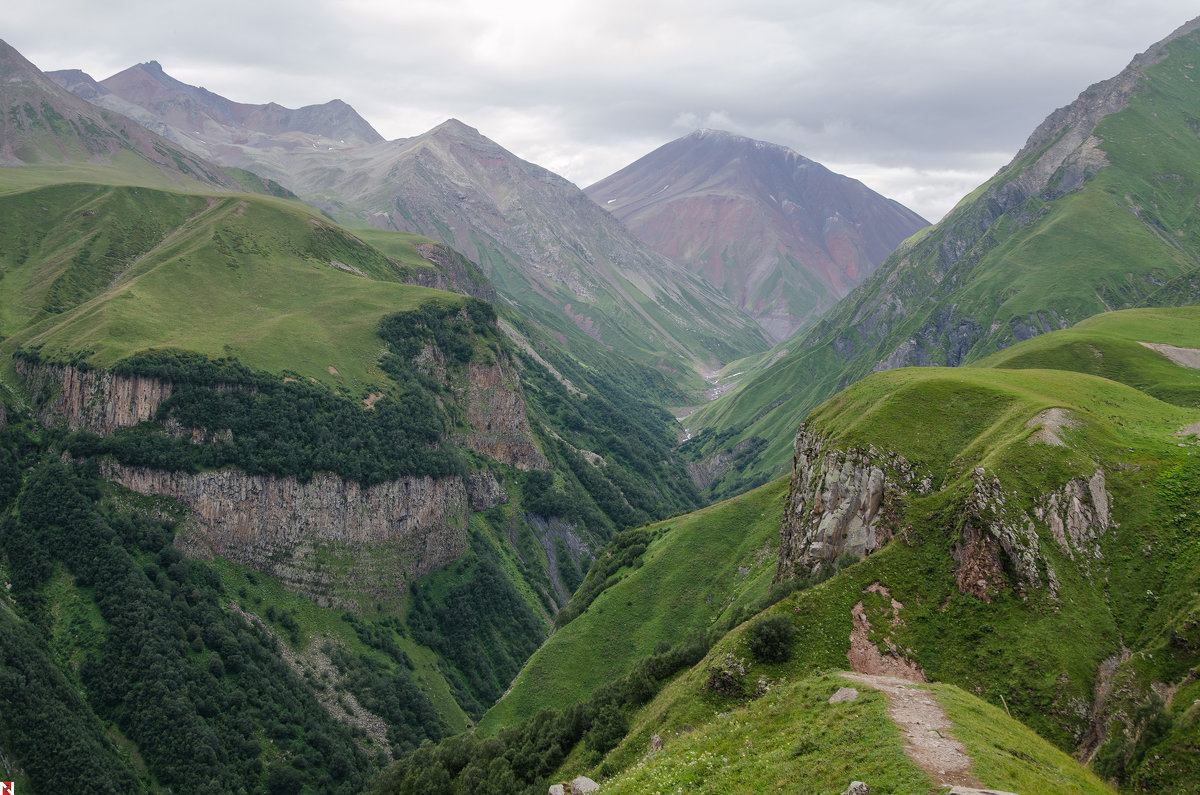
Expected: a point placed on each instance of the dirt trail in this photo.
(926, 729)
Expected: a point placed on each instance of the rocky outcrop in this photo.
(96, 400)
(992, 532)
(313, 535)
(848, 501)
(840, 501)
(455, 273)
(484, 490)
(1077, 515)
(496, 412)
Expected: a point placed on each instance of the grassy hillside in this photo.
(1110, 345)
(1057, 236)
(115, 270)
(681, 576)
(1032, 644)
(781, 741)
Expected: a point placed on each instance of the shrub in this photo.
(771, 639)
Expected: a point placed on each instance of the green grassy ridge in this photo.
(1109, 345)
(1007, 754)
(236, 275)
(1012, 647)
(689, 577)
(783, 740)
(1052, 259)
(1040, 653)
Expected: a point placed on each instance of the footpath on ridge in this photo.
(927, 738)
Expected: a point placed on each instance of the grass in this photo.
(1038, 651)
(790, 740)
(1007, 755)
(243, 276)
(1109, 345)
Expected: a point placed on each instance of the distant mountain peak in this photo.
(780, 234)
(201, 118)
(41, 122)
(455, 127)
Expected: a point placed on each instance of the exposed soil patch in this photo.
(1191, 430)
(370, 400)
(333, 370)
(1184, 357)
(926, 729)
(865, 656)
(1052, 422)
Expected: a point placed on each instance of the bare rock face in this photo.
(96, 400)
(840, 501)
(499, 423)
(1076, 514)
(848, 501)
(484, 490)
(310, 534)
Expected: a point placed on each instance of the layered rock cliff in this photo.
(328, 537)
(310, 535)
(95, 400)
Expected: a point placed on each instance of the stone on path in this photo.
(843, 694)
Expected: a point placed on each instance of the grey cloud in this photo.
(923, 95)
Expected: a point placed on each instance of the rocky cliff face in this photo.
(96, 400)
(840, 501)
(328, 538)
(314, 535)
(849, 501)
(499, 422)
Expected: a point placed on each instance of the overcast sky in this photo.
(922, 100)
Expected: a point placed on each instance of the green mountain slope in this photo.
(1096, 213)
(647, 598)
(115, 270)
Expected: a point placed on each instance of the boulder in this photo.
(857, 788)
(581, 785)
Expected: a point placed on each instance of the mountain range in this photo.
(351, 469)
(1093, 214)
(548, 249)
